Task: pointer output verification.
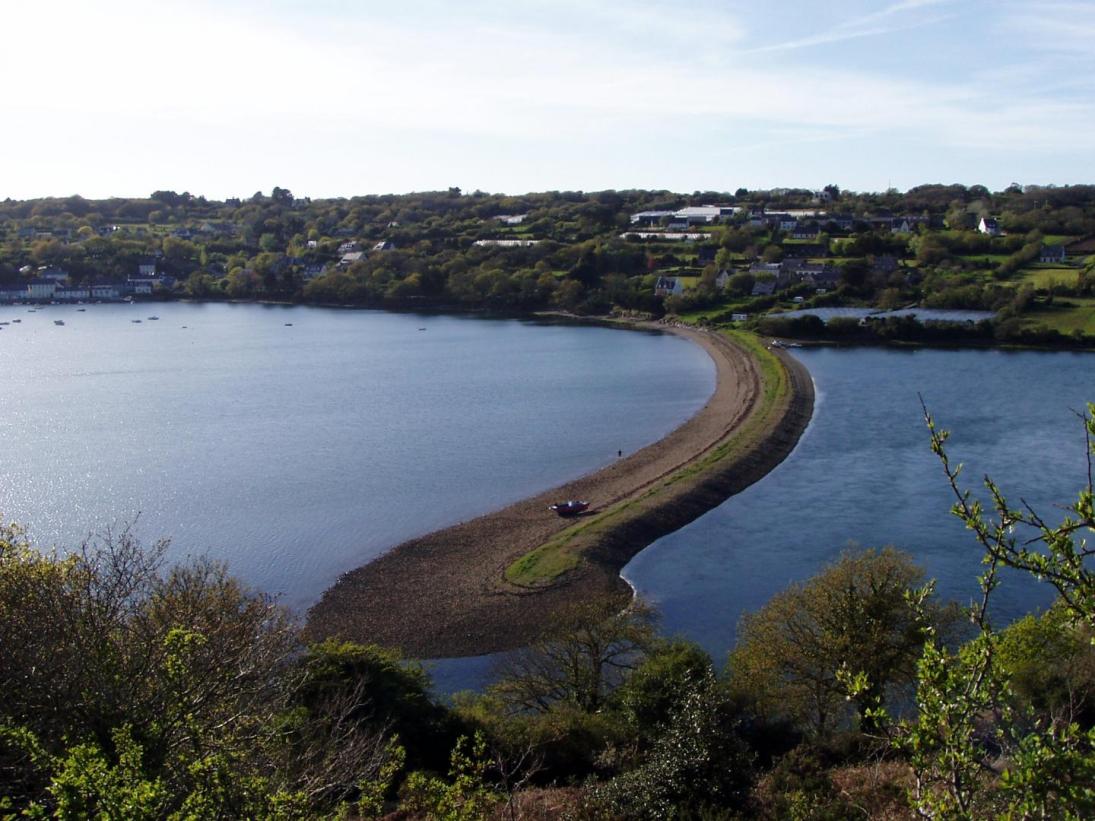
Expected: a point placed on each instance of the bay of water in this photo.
(298, 452)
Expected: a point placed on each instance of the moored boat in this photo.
(571, 507)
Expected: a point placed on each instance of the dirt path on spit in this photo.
(445, 594)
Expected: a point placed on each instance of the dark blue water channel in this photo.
(863, 474)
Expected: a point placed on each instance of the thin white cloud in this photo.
(1061, 27)
(892, 18)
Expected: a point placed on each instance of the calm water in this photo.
(297, 453)
(863, 473)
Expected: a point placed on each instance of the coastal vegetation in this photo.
(1024, 254)
(140, 690)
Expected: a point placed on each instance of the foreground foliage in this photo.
(137, 689)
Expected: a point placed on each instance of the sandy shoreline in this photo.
(445, 594)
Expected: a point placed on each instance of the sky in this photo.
(341, 97)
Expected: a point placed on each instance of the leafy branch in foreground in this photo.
(973, 750)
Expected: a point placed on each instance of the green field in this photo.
(1079, 314)
(1043, 275)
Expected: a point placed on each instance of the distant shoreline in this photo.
(488, 584)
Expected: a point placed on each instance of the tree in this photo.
(698, 762)
(852, 615)
(581, 658)
(972, 749)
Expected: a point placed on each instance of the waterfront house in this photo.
(41, 289)
(104, 290)
(146, 268)
(72, 294)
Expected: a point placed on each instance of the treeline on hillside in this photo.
(140, 690)
(568, 250)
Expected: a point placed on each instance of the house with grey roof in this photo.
(1052, 253)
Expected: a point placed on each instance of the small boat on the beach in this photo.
(58, 322)
(134, 320)
(571, 507)
(153, 317)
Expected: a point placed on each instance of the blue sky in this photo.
(334, 98)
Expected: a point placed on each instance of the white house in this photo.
(146, 268)
(698, 214)
(989, 225)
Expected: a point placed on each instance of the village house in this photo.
(764, 287)
(705, 254)
(699, 214)
(1052, 253)
(349, 247)
(350, 258)
(146, 268)
(990, 226)
(384, 245)
(765, 269)
(806, 230)
(668, 286)
(511, 219)
(649, 218)
(722, 281)
(52, 273)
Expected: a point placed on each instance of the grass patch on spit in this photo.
(563, 553)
